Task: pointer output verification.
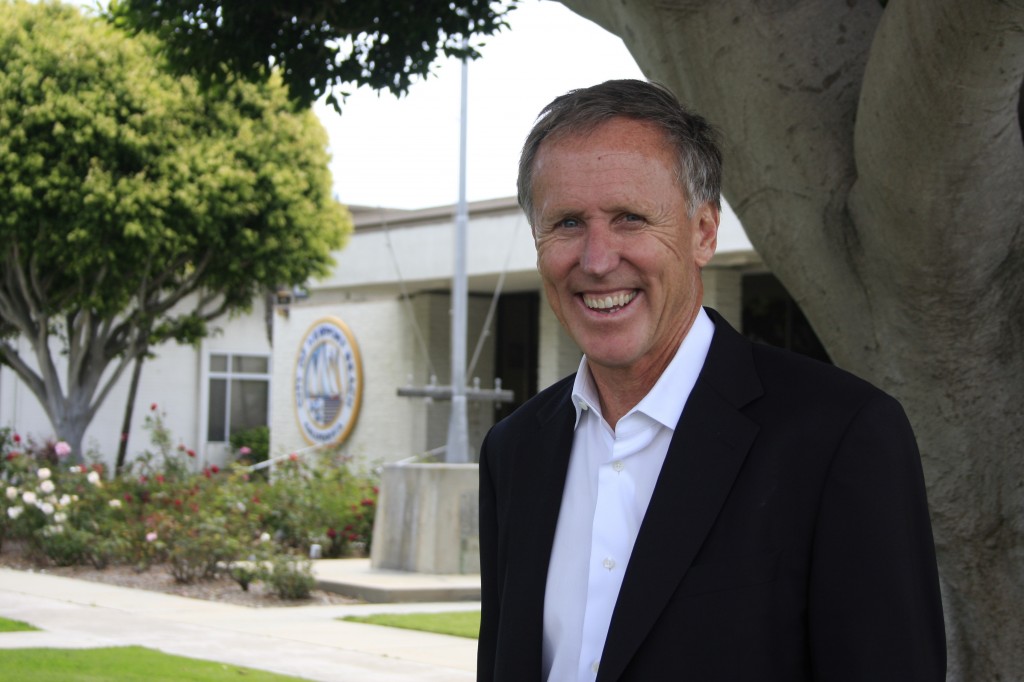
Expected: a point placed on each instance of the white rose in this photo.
(47, 487)
(75, 469)
(265, 537)
(46, 508)
(60, 517)
(29, 497)
(14, 512)
(12, 493)
(115, 504)
(93, 477)
(65, 500)
(43, 474)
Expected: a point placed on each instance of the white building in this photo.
(390, 290)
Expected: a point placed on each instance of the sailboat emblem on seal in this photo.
(328, 382)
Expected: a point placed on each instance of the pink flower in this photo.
(153, 407)
(16, 438)
(244, 451)
(151, 536)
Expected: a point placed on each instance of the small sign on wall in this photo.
(328, 382)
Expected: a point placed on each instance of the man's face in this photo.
(618, 254)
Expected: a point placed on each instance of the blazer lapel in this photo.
(706, 452)
(538, 481)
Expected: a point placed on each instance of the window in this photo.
(770, 315)
(239, 394)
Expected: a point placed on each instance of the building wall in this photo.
(386, 428)
(173, 380)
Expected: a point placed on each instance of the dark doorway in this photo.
(515, 360)
(770, 315)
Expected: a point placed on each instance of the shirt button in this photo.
(618, 465)
(608, 563)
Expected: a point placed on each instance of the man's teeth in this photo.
(606, 302)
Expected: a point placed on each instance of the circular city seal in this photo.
(328, 382)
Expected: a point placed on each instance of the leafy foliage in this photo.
(137, 207)
(315, 46)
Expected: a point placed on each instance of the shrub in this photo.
(164, 509)
(291, 577)
(252, 446)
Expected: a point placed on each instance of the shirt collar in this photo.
(665, 401)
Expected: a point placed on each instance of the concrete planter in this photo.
(427, 519)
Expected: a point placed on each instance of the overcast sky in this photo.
(404, 153)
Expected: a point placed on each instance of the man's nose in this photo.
(600, 250)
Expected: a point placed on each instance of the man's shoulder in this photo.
(542, 406)
(777, 368)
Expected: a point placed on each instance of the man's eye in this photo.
(632, 217)
(568, 222)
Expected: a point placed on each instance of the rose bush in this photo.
(197, 521)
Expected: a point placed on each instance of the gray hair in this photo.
(699, 164)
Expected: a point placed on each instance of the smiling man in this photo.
(687, 506)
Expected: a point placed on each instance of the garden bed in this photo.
(158, 579)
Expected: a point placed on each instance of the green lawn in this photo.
(120, 664)
(458, 623)
(15, 626)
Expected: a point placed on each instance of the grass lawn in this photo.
(458, 623)
(120, 664)
(15, 626)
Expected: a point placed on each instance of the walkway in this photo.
(305, 641)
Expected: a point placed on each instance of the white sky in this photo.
(404, 153)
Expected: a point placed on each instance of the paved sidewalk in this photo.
(305, 641)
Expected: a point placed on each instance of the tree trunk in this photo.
(129, 408)
(875, 159)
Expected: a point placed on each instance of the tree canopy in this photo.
(136, 208)
(315, 46)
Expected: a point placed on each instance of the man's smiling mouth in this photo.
(609, 303)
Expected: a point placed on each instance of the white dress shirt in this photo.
(611, 477)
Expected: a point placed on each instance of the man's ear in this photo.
(706, 222)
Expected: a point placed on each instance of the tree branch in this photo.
(30, 378)
(938, 144)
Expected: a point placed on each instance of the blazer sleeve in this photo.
(874, 606)
(489, 608)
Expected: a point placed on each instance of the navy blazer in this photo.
(787, 538)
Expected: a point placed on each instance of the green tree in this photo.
(136, 209)
(315, 46)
